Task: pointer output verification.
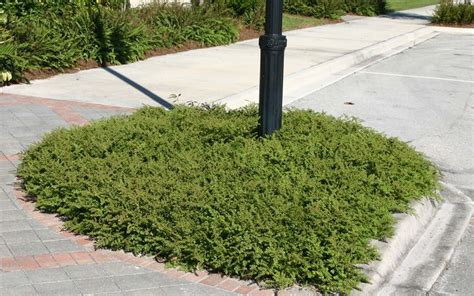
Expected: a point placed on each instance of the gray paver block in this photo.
(29, 249)
(122, 268)
(185, 291)
(39, 110)
(48, 235)
(79, 272)
(15, 163)
(161, 280)
(25, 131)
(10, 148)
(6, 167)
(4, 251)
(146, 280)
(7, 205)
(23, 236)
(147, 292)
(5, 135)
(112, 294)
(36, 225)
(9, 226)
(13, 279)
(47, 275)
(27, 290)
(7, 179)
(11, 122)
(133, 282)
(7, 190)
(60, 246)
(210, 291)
(28, 140)
(98, 285)
(57, 288)
(12, 215)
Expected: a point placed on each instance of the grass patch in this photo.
(197, 187)
(293, 22)
(395, 5)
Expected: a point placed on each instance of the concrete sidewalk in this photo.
(230, 74)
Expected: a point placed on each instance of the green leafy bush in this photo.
(365, 7)
(320, 8)
(251, 12)
(117, 38)
(197, 187)
(57, 34)
(450, 13)
(212, 32)
(11, 63)
(334, 8)
(46, 40)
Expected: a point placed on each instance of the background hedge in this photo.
(54, 35)
(450, 13)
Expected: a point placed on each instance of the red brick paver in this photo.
(27, 263)
(9, 264)
(46, 261)
(64, 259)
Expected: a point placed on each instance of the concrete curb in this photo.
(305, 82)
(424, 241)
(425, 262)
(408, 229)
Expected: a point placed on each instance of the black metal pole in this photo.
(272, 46)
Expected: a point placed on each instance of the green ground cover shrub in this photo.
(57, 34)
(197, 187)
(457, 14)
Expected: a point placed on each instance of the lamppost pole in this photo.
(272, 46)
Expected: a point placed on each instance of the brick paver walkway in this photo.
(38, 257)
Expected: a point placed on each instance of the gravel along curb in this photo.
(305, 82)
(423, 244)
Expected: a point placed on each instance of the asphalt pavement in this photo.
(424, 96)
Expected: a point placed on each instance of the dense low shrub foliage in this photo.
(43, 35)
(197, 187)
(449, 12)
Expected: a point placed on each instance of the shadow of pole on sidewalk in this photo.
(140, 88)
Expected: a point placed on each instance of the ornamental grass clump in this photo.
(195, 186)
